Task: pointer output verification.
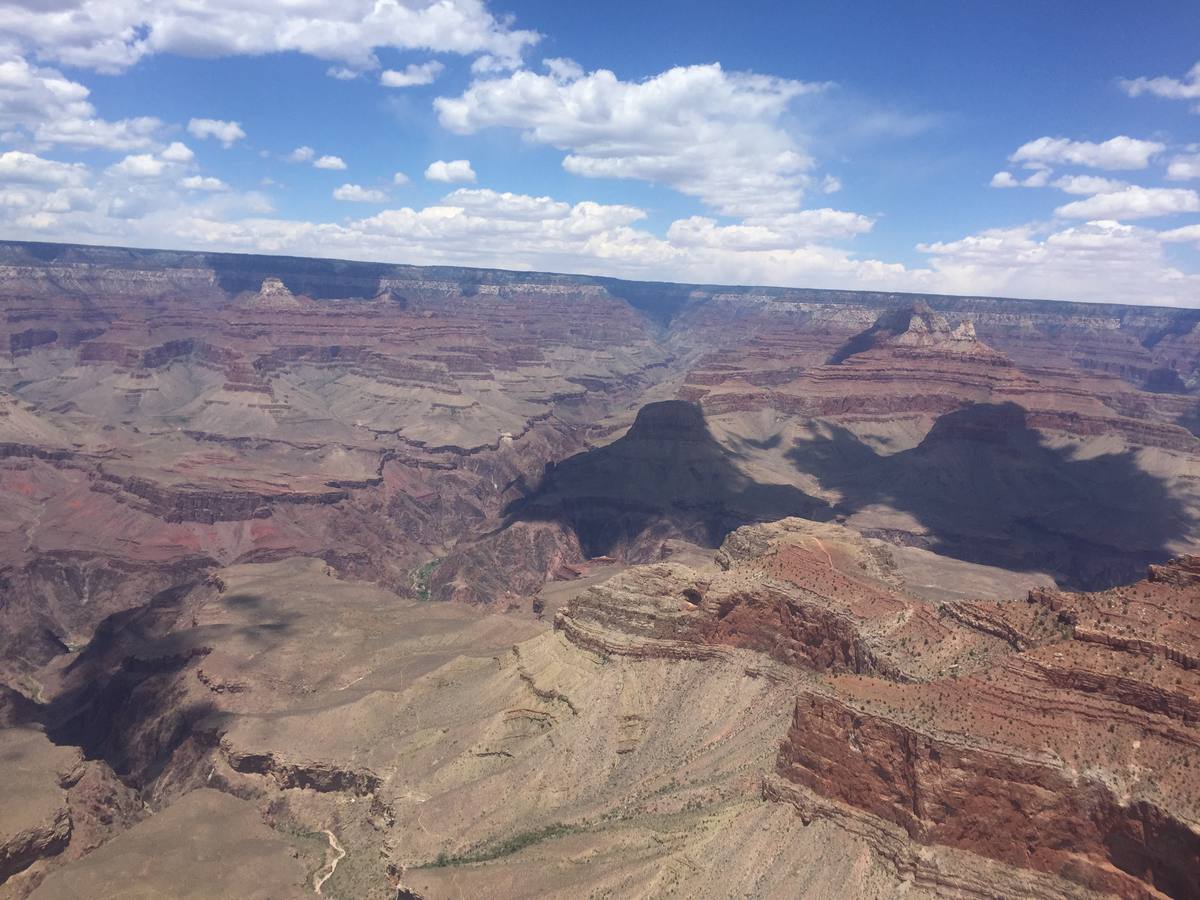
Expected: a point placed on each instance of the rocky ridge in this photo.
(1048, 712)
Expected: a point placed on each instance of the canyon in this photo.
(391, 581)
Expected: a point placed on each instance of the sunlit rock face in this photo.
(572, 585)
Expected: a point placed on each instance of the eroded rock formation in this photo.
(1058, 734)
(795, 584)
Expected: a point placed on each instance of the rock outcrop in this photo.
(57, 806)
(1059, 735)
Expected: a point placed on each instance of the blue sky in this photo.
(1021, 149)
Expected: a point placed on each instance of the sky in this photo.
(1027, 149)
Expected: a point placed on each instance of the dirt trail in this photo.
(323, 876)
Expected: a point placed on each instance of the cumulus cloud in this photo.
(1100, 260)
(1183, 168)
(1132, 202)
(1186, 88)
(782, 232)
(203, 183)
(50, 109)
(456, 171)
(1087, 184)
(1039, 178)
(1120, 152)
(708, 133)
(225, 132)
(309, 155)
(111, 35)
(356, 193)
(1103, 260)
(17, 167)
(134, 200)
(412, 76)
(177, 152)
(1188, 234)
(399, 179)
(139, 165)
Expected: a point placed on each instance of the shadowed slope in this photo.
(988, 490)
(667, 474)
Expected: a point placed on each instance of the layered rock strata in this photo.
(1057, 734)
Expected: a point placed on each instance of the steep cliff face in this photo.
(58, 807)
(1058, 734)
(1029, 813)
(1075, 756)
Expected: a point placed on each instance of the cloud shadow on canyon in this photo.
(667, 477)
(987, 489)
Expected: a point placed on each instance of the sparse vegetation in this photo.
(507, 847)
(420, 578)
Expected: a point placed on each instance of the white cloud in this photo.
(1100, 260)
(1116, 153)
(708, 133)
(455, 171)
(400, 179)
(177, 153)
(1132, 202)
(1039, 178)
(783, 232)
(1183, 168)
(1185, 235)
(51, 109)
(488, 65)
(1186, 88)
(110, 35)
(341, 73)
(17, 167)
(473, 226)
(412, 76)
(308, 154)
(1087, 184)
(356, 193)
(140, 165)
(225, 132)
(203, 183)
(830, 184)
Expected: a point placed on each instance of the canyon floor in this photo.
(392, 582)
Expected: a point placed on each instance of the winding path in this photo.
(323, 876)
